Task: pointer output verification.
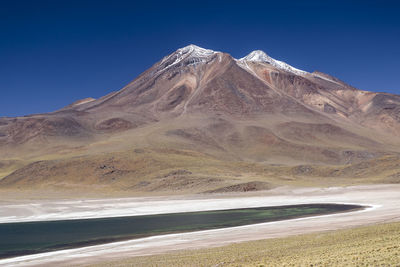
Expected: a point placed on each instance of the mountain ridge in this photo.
(253, 110)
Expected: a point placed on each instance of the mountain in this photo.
(200, 120)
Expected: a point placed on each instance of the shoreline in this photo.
(330, 209)
(12, 211)
(384, 202)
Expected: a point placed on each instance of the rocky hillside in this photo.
(255, 112)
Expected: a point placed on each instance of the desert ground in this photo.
(375, 245)
(383, 203)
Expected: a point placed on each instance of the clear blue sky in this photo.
(55, 52)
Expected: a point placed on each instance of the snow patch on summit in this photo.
(261, 56)
(196, 51)
(192, 54)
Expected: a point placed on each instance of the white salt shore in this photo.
(383, 202)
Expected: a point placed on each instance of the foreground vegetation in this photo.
(377, 245)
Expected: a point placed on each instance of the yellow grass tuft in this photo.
(377, 245)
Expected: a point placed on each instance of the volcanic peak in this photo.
(193, 55)
(188, 55)
(195, 50)
(261, 56)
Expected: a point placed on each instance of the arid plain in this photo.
(201, 130)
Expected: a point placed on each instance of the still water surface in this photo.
(35, 237)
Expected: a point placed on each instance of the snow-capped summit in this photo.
(193, 55)
(261, 56)
(257, 55)
(188, 55)
(195, 50)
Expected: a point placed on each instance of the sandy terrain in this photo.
(384, 202)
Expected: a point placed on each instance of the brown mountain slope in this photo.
(253, 116)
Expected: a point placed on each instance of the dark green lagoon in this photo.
(35, 237)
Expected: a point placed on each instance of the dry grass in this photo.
(377, 245)
(217, 153)
(137, 162)
(171, 171)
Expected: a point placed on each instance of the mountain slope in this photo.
(254, 112)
